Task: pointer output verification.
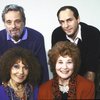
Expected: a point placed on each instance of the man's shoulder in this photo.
(34, 33)
(88, 27)
(57, 29)
(3, 31)
(3, 34)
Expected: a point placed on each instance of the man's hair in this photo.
(73, 9)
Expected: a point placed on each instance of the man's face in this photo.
(14, 24)
(68, 22)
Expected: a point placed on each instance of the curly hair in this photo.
(10, 57)
(64, 48)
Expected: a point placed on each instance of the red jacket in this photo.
(85, 89)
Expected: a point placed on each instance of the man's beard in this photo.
(16, 37)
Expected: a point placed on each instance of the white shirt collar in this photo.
(23, 38)
(64, 89)
(15, 41)
(78, 36)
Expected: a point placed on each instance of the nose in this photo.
(65, 24)
(13, 25)
(64, 66)
(21, 71)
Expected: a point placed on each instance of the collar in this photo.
(24, 37)
(78, 36)
(64, 89)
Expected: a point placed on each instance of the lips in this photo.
(20, 77)
(68, 30)
(64, 72)
(14, 31)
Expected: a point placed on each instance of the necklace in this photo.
(15, 87)
(64, 88)
(18, 91)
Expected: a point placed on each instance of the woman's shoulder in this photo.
(49, 82)
(1, 88)
(46, 85)
(83, 81)
(85, 89)
(3, 95)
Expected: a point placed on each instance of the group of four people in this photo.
(74, 56)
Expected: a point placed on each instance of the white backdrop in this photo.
(41, 14)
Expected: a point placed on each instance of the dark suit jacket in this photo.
(84, 90)
(89, 47)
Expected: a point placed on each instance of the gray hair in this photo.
(13, 7)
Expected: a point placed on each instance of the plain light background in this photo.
(41, 14)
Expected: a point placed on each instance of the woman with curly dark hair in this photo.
(20, 72)
(64, 60)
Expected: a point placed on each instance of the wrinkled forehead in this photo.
(13, 13)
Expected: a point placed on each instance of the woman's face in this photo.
(19, 72)
(64, 67)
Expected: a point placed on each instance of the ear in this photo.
(78, 19)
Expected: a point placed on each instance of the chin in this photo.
(64, 77)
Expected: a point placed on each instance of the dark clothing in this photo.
(89, 46)
(64, 96)
(34, 43)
